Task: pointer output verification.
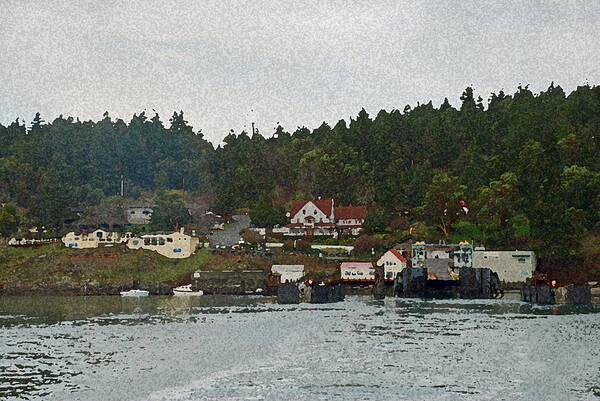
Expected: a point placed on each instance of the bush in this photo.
(303, 245)
(242, 210)
(399, 223)
(328, 241)
(365, 243)
(251, 237)
(395, 239)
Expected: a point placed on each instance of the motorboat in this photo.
(134, 293)
(186, 290)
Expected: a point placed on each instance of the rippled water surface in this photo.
(216, 347)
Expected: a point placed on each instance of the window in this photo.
(169, 239)
(154, 241)
(99, 234)
(521, 260)
(135, 242)
(146, 241)
(303, 211)
(133, 212)
(161, 241)
(315, 212)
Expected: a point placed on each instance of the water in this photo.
(239, 348)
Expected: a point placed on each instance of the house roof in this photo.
(350, 212)
(398, 254)
(324, 205)
(355, 265)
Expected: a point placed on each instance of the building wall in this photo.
(139, 215)
(357, 273)
(437, 254)
(511, 266)
(350, 222)
(310, 209)
(174, 246)
(391, 264)
(323, 231)
(94, 239)
(289, 273)
(229, 282)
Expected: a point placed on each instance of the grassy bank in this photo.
(311, 264)
(53, 267)
(53, 264)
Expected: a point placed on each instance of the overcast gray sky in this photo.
(226, 64)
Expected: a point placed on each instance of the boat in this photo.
(134, 293)
(186, 290)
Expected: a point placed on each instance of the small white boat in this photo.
(134, 293)
(186, 290)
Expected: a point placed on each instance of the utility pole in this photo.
(252, 128)
(122, 185)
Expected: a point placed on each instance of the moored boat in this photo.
(186, 290)
(134, 293)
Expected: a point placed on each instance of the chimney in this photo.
(332, 210)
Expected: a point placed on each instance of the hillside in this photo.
(527, 166)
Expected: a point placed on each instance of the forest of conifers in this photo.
(527, 165)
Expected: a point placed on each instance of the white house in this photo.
(94, 239)
(357, 271)
(321, 217)
(288, 273)
(316, 217)
(176, 245)
(393, 262)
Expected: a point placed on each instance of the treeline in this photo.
(526, 166)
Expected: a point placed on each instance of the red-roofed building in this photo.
(314, 217)
(321, 217)
(349, 219)
(393, 261)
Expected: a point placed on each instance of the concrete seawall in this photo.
(230, 282)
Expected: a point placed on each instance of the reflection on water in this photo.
(219, 347)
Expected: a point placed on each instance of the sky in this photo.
(227, 64)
